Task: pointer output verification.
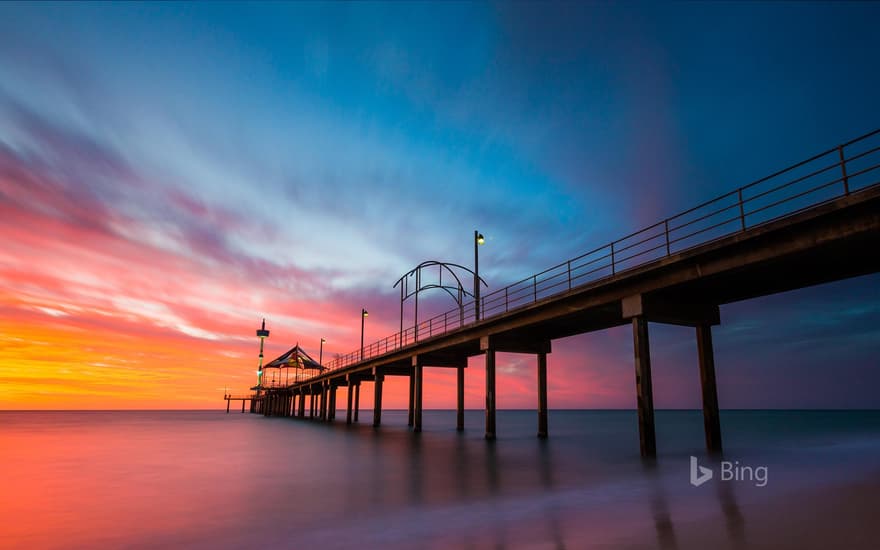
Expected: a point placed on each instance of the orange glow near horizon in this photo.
(100, 311)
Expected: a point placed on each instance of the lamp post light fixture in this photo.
(364, 315)
(321, 353)
(478, 240)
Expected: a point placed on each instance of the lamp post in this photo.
(478, 240)
(321, 353)
(364, 314)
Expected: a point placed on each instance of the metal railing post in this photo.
(612, 258)
(666, 230)
(506, 301)
(843, 169)
(535, 286)
(742, 215)
(569, 274)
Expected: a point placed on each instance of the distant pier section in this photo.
(245, 399)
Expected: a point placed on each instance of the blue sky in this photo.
(322, 150)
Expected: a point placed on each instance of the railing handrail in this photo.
(514, 294)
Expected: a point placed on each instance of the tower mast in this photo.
(262, 333)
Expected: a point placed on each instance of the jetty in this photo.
(814, 222)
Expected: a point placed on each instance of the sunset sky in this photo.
(172, 173)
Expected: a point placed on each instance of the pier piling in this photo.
(331, 414)
(418, 374)
(412, 396)
(377, 399)
(711, 419)
(357, 399)
(348, 401)
(459, 406)
(644, 393)
(490, 387)
(542, 395)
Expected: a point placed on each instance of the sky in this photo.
(170, 174)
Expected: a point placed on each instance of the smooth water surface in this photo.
(198, 479)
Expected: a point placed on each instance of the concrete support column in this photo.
(542, 395)
(490, 388)
(302, 403)
(348, 403)
(418, 375)
(357, 400)
(644, 392)
(227, 405)
(412, 396)
(331, 414)
(377, 397)
(324, 402)
(711, 418)
(242, 405)
(459, 407)
(311, 403)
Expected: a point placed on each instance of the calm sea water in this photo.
(185, 479)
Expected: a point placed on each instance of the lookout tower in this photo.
(262, 334)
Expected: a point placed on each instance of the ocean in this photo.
(207, 479)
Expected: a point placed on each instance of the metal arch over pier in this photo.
(811, 223)
(457, 291)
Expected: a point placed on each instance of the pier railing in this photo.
(847, 168)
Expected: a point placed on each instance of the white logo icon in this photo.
(699, 474)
